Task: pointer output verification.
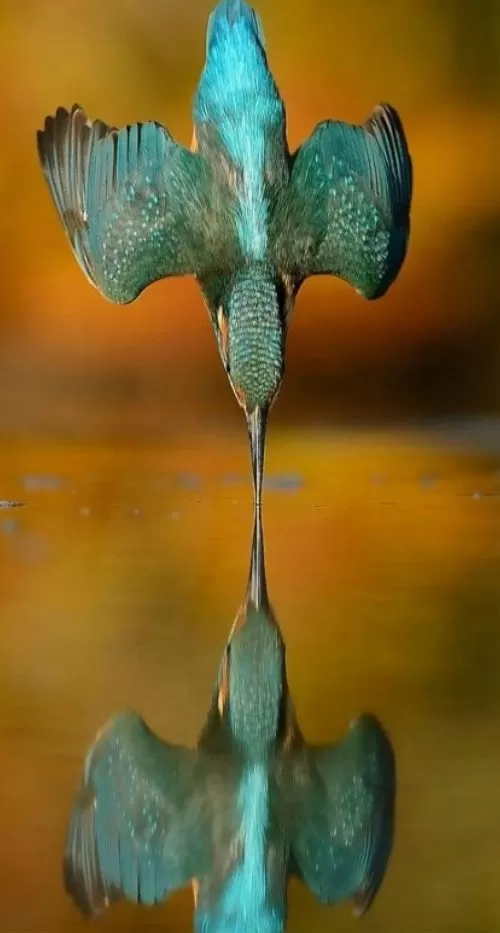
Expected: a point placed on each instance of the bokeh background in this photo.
(121, 574)
(431, 344)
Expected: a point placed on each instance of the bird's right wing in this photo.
(136, 206)
(139, 828)
(339, 803)
(346, 211)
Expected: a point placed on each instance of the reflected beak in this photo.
(257, 588)
(257, 422)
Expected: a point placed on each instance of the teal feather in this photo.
(253, 804)
(255, 349)
(134, 828)
(136, 206)
(231, 13)
(339, 805)
(238, 110)
(348, 206)
(250, 221)
(244, 904)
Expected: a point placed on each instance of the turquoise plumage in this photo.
(252, 805)
(238, 211)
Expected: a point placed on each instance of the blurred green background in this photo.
(120, 577)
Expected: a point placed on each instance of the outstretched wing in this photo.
(134, 203)
(347, 209)
(340, 814)
(139, 826)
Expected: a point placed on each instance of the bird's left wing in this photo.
(140, 822)
(339, 811)
(136, 205)
(346, 211)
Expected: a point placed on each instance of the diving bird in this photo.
(250, 806)
(238, 211)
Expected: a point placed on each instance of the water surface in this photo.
(120, 577)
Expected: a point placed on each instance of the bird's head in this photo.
(252, 680)
(251, 332)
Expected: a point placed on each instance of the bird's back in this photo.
(240, 121)
(248, 890)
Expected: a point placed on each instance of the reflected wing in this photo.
(342, 815)
(133, 202)
(139, 826)
(348, 208)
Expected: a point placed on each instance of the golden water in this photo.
(119, 580)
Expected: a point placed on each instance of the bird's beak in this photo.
(257, 588)
(257, 422)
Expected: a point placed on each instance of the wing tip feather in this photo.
(81, 876)
(386, 125)
(363, 900)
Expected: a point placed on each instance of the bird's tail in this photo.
(236, 69)
(233, 13)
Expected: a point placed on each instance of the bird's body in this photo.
(238, 211)
(250, 806)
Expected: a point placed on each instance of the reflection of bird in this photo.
(248, 219)
(250, 806)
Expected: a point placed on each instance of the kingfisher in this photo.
(251, 806)
(250, 220)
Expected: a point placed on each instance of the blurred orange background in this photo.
(432, 345)
(121, 576)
